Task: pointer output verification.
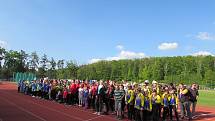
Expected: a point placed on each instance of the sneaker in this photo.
(95, 113)
(98, 113)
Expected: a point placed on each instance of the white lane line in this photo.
(74, 117)
(24, 110)
(93, 118)
(51, 109)
(1, 119)
(203, 114)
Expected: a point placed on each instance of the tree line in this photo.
(12, 61)
(178, 69)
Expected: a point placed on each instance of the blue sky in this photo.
(85, 30)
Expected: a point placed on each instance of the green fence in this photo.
(23, 76)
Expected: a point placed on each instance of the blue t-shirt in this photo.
(86, 93)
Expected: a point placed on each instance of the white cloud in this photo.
(205, 36)
(120, 47)
(202, 53)
(122, 55)
(130, 55)
(3, 44)
(168, 46)
(94, 60)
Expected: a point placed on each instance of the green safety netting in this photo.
(24, 76)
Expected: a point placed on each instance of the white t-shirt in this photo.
(80, 91)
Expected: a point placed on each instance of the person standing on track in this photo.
(184, 96)
(156, 103)
(99, 98)
(111, 89)
(193, 98)
(65, 94)
(80, 95)
(139, 104)
(173, 102)
(118, 97)
(72, 93)
(33, 88)
(93, 94)
(147, 106)
(85, 96)
(165, 103)
(130, 102)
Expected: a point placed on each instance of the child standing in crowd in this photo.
(139, 103)
(156, 103)
(34, 88)
(130, 102)
(65, 93)
(45, 89)
(173, 102)
(147, 106)
(165, 103)
(85, 96)
(121, 87)
(50, 90)
(118, 96)
(26, 87)
(80, 95)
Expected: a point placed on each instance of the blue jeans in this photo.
(185, 109)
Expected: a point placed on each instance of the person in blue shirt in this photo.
(19, 85)
(85, 96)
(45, 90)
(34, 88)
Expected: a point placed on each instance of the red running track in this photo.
(18, 107)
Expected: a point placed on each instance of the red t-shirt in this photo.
(94, 90)
(73, 88)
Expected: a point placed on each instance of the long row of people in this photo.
(138, 102)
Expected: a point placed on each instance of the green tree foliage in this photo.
(33, 61)
(186, 69)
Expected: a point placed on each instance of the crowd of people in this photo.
(133, 101)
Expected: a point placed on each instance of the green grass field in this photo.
(206, 98)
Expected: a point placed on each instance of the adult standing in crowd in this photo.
(99, 98)
(184, 96)
(194, 96)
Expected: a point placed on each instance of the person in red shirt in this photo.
(93, 94)
(65, 93)
(72, 89)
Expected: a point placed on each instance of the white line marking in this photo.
(43, 106)
(42, 119)
(1, 119)
(74, 117)
(93, 118)
(203, 114)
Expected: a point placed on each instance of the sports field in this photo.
(207, 98)
(18, 107)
